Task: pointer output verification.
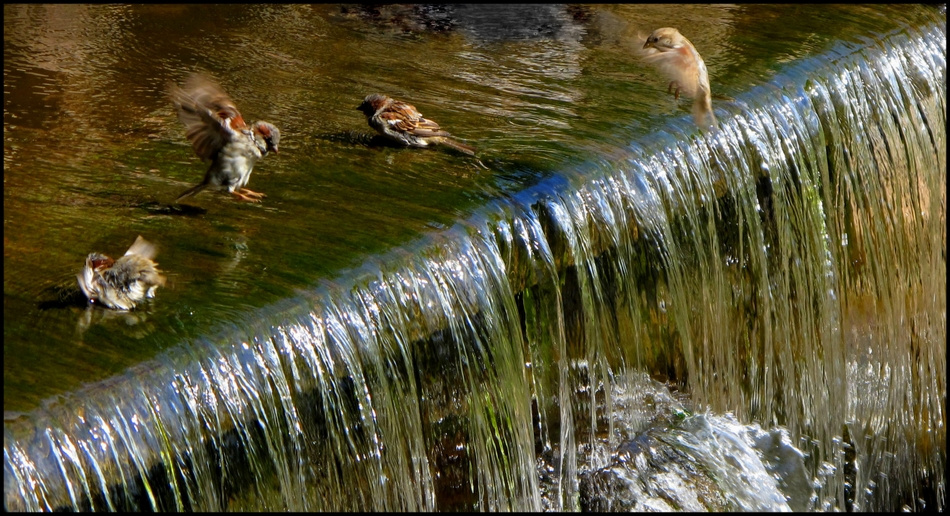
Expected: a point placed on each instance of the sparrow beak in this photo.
(647, 45)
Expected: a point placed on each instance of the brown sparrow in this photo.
(404, 124)
(678, 59)
(122, 283)
(218, 132)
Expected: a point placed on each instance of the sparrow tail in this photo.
(191, 191)
(459, 146)
(703, 114)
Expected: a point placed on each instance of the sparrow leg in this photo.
(251, 193)
(675, 89)
(243, 197)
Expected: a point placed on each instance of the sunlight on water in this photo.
(786, 275)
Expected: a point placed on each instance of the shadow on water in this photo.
(62, 296)
(178, 210)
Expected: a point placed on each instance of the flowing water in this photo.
(611, 311)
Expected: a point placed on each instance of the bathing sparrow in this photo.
(678, 59)
(218, 133)
(404, 124)
(120, 284)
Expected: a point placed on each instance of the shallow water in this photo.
(94, 155)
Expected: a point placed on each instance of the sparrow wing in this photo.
(210, 117)
(407, 119)
(426, 127)
(678, 64)
(142, 247)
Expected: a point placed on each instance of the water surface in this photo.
(94, 155)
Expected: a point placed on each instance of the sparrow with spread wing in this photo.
(121, 284)
(217, 132)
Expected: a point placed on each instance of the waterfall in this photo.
(788, 269)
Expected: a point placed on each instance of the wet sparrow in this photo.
(218, 133)
(404, 124)
(122, 283)
(678, 59)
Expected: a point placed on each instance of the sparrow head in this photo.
(95, 262)
(373, 103)
(269, 133)
(664, 39)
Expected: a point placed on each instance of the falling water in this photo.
(788, 271)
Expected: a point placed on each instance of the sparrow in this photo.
(218, 133)
(678, 59)
(404, 124)
(120, 284)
